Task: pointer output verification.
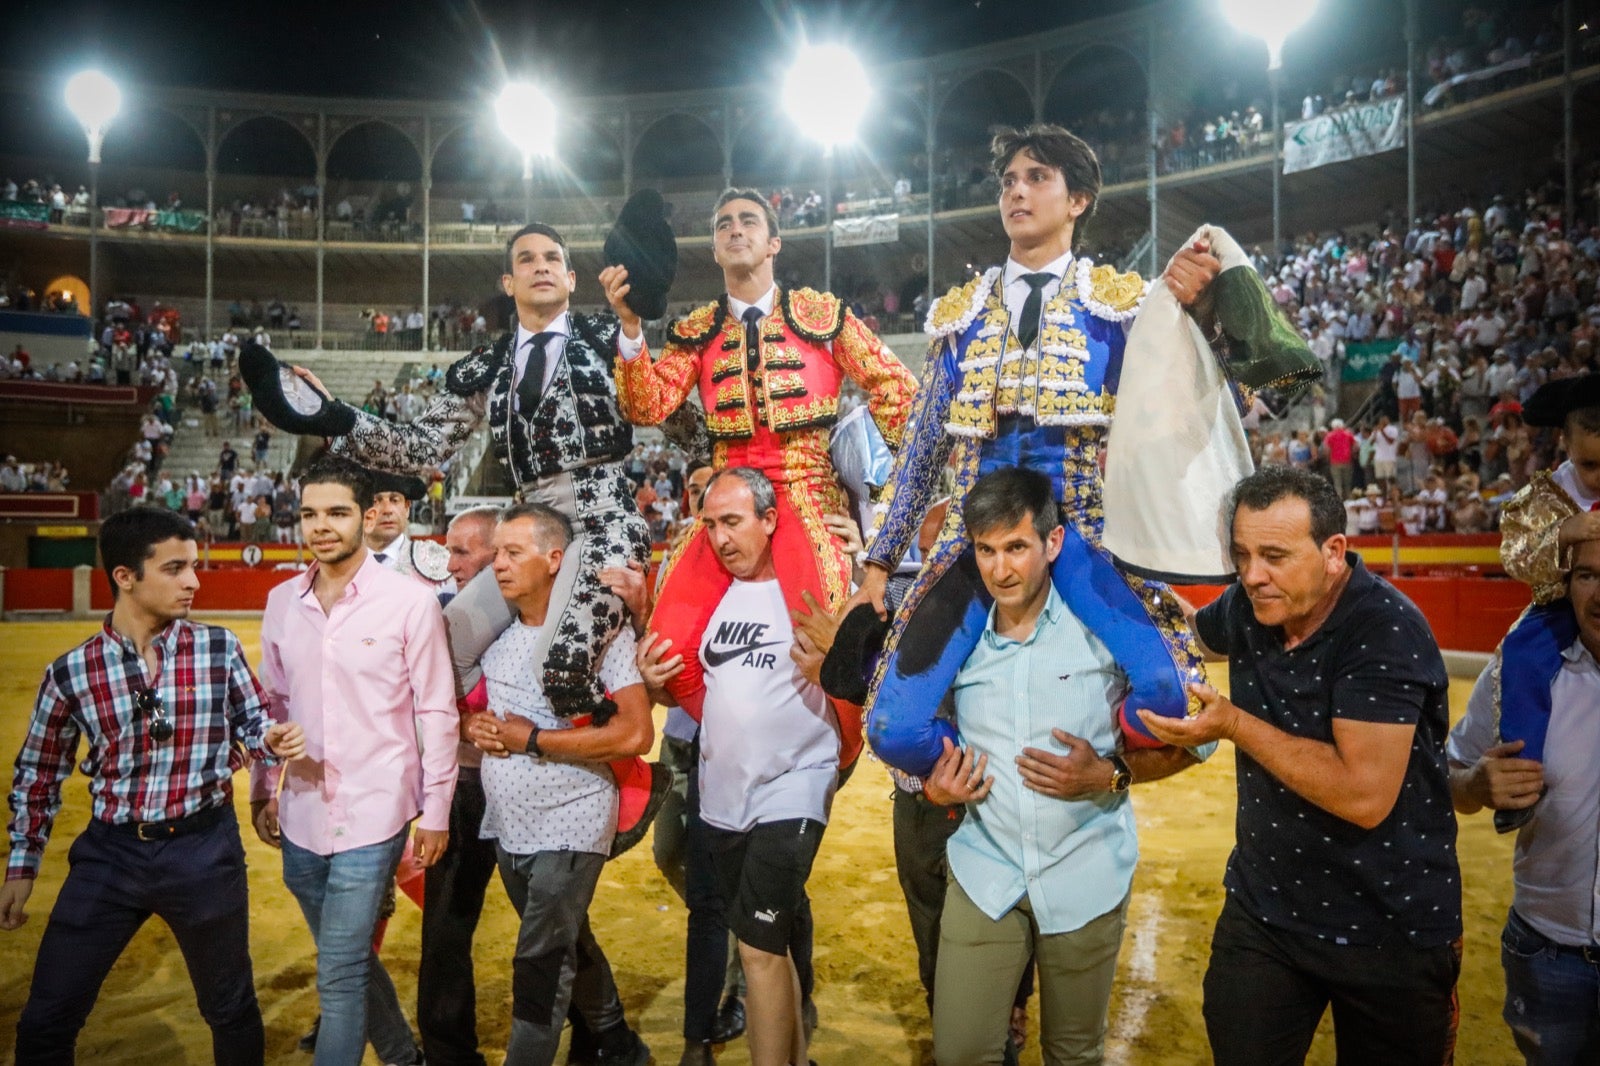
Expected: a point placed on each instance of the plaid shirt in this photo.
(214, 702)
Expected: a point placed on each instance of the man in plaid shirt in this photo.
(170, 710)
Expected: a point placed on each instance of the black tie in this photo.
(382, 557)
(752, 337)
(1028, 327)
(532, 382)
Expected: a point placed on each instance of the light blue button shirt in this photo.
(1073, 859)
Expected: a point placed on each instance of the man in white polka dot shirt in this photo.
(550, 800)
(1343, 886)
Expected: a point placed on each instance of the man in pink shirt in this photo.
(1340, 443)
(357, 656)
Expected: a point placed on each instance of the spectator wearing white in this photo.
(1502, 374)
(1385, 449)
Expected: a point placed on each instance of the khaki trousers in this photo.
(980, 963)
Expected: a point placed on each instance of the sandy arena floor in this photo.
(870, 1000)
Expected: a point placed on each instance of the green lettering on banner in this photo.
(1363, 360)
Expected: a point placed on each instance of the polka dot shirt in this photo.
(1295, 865)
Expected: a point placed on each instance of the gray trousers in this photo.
(557, 961)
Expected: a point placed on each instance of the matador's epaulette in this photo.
(955, 310)
(701, 324)
(1114, 291)
(815, 316)
(472, 373)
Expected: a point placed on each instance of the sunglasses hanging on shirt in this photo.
(148, 701)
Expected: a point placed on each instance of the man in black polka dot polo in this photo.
(1343, 885)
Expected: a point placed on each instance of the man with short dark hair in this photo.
(356, 654)
(768, 363)
(170, 709)
(769, 759)
(1343, 886)
(1043, 866)
(1024, 368)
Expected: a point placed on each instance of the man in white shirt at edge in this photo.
(769, 758)
(551, 800)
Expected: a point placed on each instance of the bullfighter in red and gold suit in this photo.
(768, 364)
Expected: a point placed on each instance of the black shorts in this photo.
(762, 874)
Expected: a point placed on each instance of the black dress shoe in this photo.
(698, 1054)
(729, 1024)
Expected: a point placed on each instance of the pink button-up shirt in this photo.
(370, 683)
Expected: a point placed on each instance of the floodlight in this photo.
(94, 101)
(528, 119)
(1271, 20)
(827, 93)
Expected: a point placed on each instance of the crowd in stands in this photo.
(1477, 306)
(46, 476)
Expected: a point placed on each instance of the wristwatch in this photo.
(1121, 776)
(533, 744)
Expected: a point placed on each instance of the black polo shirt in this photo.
(1296, 866)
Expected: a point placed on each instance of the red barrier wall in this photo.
(38, 590)
(1467, 613)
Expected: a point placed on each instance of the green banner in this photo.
(182, 221)
(1363, 360)
(12, 211)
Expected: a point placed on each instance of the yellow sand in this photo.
(867, 990)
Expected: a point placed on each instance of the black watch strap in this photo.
(1121, 776)
(533, 743)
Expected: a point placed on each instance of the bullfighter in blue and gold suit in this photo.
(1023, 371)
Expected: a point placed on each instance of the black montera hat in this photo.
(642, 241)
(1550, 405)
(411, 487)
(288, 401)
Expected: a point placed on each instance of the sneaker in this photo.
(729, 1024)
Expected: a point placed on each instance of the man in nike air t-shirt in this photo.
(769, 758)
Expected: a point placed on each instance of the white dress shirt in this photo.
(1016, 290)
(554, 348)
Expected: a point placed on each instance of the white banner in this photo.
(877, 229)
(1348, 133)
(1436, 93)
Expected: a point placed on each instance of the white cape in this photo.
(1177, 446)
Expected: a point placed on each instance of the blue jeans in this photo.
(339, 895)
(1552, 997)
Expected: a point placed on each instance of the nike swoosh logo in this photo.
(721, 658)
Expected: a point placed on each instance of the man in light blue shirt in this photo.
(1042, 865)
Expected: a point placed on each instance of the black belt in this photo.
(1589, 953)
(172, 827)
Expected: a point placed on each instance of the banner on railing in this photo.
(1348, 133)
(1364, 359)
(1437, 93)
(876, 229)
(181, 221)
(123, 217)
(24, 216)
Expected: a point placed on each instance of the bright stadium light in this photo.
(528, 119)
(827, 95)
(1271, 20)
(94, 101)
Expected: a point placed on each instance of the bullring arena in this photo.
(868, 996)
(358, 227)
